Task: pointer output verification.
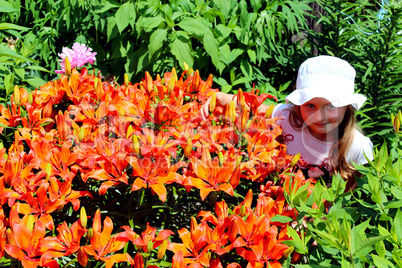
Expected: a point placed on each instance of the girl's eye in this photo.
(311, 106)
(330, 106)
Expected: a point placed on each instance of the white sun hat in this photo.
(326, 77)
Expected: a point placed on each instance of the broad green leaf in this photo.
(181, 49)
(380, 262)
(242, 80)
(211, 47)
(367, 244)
(195, 26)
(397, 225)
(281, 219)
(112, 29)
(6, 51)
(297, 243)
(37, 68)
(36, 82)
(6, 7)
(157, 39)
(124, 15)
(149, 24)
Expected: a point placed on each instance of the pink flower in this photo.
(78, 56)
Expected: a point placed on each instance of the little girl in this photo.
(318, 119)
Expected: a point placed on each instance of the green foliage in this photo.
(356, 32)
(242, 43)
(361, 228)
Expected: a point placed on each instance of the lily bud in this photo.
(238, 160)
(294, 160)
(269, 111)
(244, 119)
(241, 102)
(135, 144)
(126, 80)
(48, 170)
(90, 233)
(162, 249)
(10, 237)
(188, 148)
(232, 111)
(220, 157)
(17, 95)
(396, 121)
(172, 81)
(83, 217)
(30, 98)
(150, 246)
(67, 66)
(98, 88)
(185, 65)
(81, 134)
(288, 251)
(212, 104)
(225, 113)
(30, 222)
(242, 211)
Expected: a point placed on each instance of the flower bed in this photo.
(172, 190)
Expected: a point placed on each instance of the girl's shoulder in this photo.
(360, 148)
(281, 110)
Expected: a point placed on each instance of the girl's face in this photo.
(322, 118)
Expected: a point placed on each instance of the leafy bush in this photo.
(361, 228)
(242, 43)
(371, 41)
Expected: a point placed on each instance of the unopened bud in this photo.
(294, 160)
(48, 171)
(17, 95)
(67, 66)
(81, 134)
(90, 233)
(126, 80)
(288, 251)
(232, 111)
(188, 148)
(10, 237)
(83, 217)
(185, 65)
(30, 222)
(150, 246)
(212, 104)
(82, 257)
(30, 98)
(238, 160)
(162, 249)
(268, 112)
(135, 144)
(242, 211)
(220, 157)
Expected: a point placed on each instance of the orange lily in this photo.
(102, 243)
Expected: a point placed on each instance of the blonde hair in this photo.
(339, 149)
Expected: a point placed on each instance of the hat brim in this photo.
(299, 97)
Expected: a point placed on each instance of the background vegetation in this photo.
(242, 43)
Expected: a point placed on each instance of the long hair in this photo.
(338, 151)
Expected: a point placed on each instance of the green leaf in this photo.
(124, 15)
(380, 262)
(397, 225)
(36, 82)
(195, 26)
(181, 49)
(6, 7)
(367, 244)
(156, 41)
(10, 26)
(149, 24)
(6, 51)
(281, 219)
(297, 243)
